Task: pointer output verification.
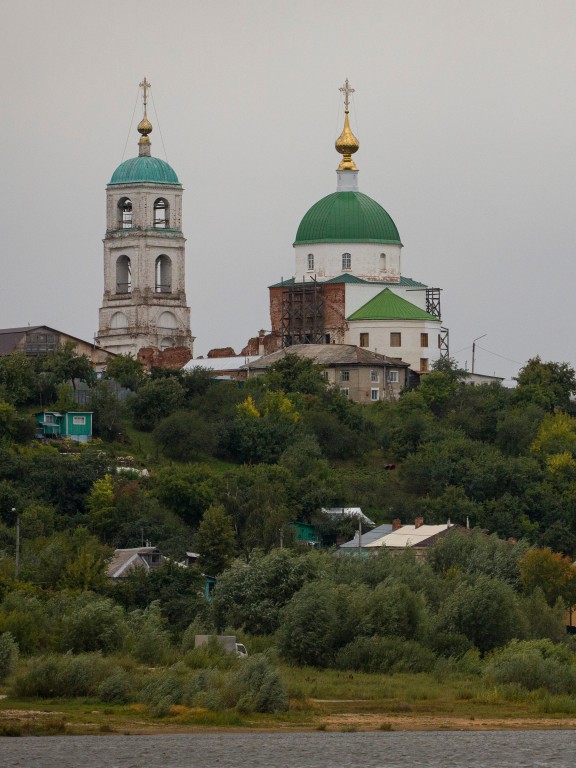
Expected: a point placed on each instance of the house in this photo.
(76, 425)
(417, 537)
(37, 340)
(361, 375)
(126, 560)
(304, 533)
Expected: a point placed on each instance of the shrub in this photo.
(534, 664)
(148, 640)
(116, 688)
(162, 692)
(98, 625)
(385, 654)
(68, 676)
(8, 654)
(257, 687)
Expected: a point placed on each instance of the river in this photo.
(439, 749)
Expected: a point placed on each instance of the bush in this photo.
(67, 676)
(162, 692)
(385, 655)
(116, 688)
(534, 664)
(8, 654)
(98, 625)
(257, 687)
(148, 640)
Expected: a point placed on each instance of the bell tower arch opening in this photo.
(163, 274)
(123, 275)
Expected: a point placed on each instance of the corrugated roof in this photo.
(329, 354)
(387, 305)
(410, 536)
(220, 363)
(368, 536)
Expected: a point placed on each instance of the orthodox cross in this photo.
(346, 90)
(145, 85)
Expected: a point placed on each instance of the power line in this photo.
(131, 122)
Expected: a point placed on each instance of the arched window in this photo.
(167, 321)
(161, 210)
(125, 213)
(118, 320)
(346, 261)
(383, 262)
(123, 275)
(310, 261)
(166, 343)
(163, 272)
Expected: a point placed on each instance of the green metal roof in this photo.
(404, 282)
(144, 169)
(347, 217)
(389, 306)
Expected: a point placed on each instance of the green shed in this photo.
(77, 425)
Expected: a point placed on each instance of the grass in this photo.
(324, 700)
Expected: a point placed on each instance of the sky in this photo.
(465, 113)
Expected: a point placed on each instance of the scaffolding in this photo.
(303, 314)
(433, 302)
(443, 344)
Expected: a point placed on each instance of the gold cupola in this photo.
(347, 144)
(144, 126)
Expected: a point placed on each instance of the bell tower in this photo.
(144, 302)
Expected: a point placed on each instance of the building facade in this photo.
(144, 303)
(348, 286)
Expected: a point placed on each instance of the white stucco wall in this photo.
(366, 260)
(410, 349)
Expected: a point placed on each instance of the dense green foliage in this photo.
(229, 470)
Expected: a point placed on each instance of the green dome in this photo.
(144, 168)
(347, 217)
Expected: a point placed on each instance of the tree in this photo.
(154, 401)
(215, 540)
(108, 411)
(293, 373)
(552, 572)
(487, 612)
(18, 381)
(548, 385)
(185, 436)
(187, 491)
(127, 371)
(66, 366)
(556, 435)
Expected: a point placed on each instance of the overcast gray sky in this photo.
(465, 111)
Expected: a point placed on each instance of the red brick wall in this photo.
(175, 357)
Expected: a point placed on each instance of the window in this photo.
(49, 418)
(439, 341)
(374, 376)
(79, 420)
(374, 394)
(346, 261)
(423, 339)
(345, 391)
(423, 363)
(393, 377)
(383, 262)
(163, 272)
(125, 213)
(364, 339)
(118, 320)
(310, 261)
(123, 275)
(395, 339)
(344, 375)
(161, 213)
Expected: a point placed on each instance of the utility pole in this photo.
(474, 349)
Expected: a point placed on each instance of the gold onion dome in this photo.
(347, 143)
(144, 128)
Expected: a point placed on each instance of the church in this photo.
(348, 286)
(144, 311)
